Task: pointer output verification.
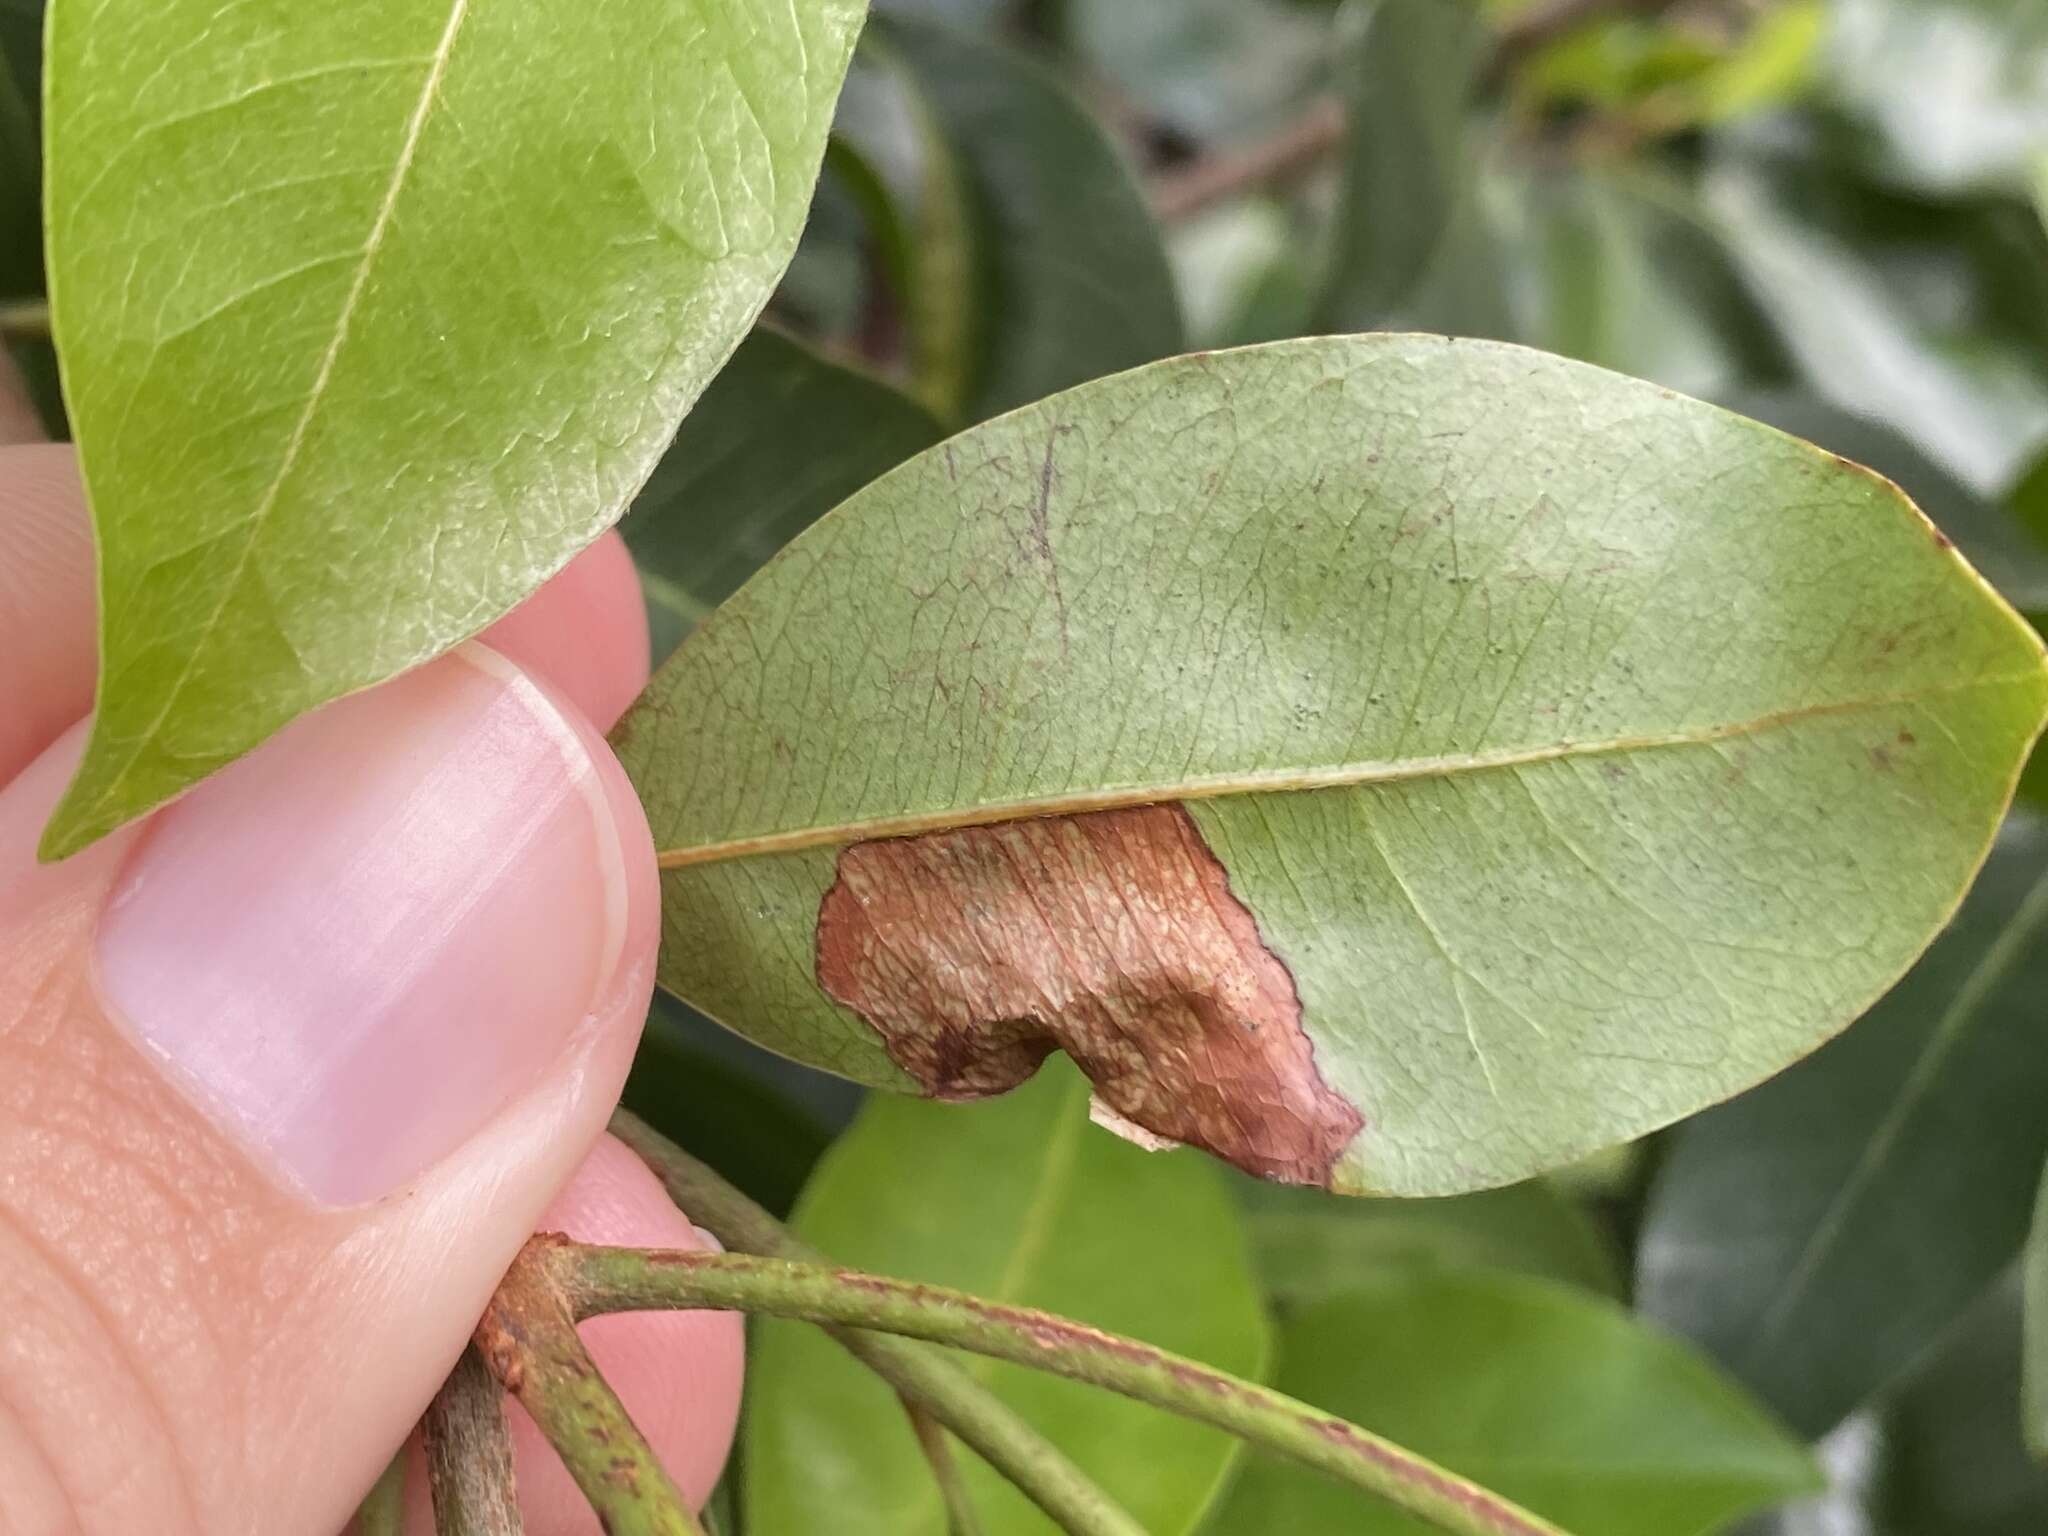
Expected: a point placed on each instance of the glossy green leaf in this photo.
(1311, 1246)
(780, 438)
(21, 223)
(1555, 1398)
(2034, 1382)
(1070, 280)
(1023, 1201)
(1408, 155)
(1816, 1234)
(1583, 753)
(373, 315)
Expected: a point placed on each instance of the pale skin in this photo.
(219, 1321)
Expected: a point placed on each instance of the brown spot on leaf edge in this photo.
(1111, 935)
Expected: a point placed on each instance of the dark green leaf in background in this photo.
(373, 315)
(21, 68)
(2034, 1383)
(1628, 274)
(1409, 156)
(1023, 1201)
(1955, 1461)
(1584, 753)
(1071, 279)
(1311, 1247)
(1816, 1234)
(1554, 1397)
(780, 437)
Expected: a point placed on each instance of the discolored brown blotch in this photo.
(1113, 936)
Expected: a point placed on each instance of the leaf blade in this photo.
(466, 372)
(1023, 1201)
(1422, 555)
(1553, 1397)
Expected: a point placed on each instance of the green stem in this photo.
(961, 1519)
(469, 1454)
(27, 318)
(601, 1280)
(382, 1512)
(528, 1339)
(921, 1376)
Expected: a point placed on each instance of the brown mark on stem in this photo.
(1113, 936)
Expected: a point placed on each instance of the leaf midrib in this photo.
(1283, 781)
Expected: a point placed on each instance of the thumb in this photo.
(286, 1077)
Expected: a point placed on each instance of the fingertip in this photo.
(585, 632)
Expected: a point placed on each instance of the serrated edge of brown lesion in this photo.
(1113, 935)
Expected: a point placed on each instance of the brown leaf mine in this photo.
(1113, 936)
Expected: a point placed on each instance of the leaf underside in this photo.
(373, 315)
(1574, 753)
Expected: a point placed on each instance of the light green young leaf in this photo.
(1069, 280)
(780, 438)
(1815, 1236)
(372, 315)
(1502, 759)
(1556, 1398)
(1311, 1246)
(1023, 1201)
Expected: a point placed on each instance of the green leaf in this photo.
(781, 437)
(1575, 754)
(1991, 537)
(1817, 1234)
(1070, 278)
(1408, 155)
(1022, 1201)
(1957, 1463)
(21, 221)
(1552, 1397)
(1311, 1246)
(371, 316)
(1626, 273)
(2034, 1382)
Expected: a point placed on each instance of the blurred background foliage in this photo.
(1828, 214)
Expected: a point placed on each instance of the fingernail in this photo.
(358, 944)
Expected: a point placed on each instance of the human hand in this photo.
(290, 1070)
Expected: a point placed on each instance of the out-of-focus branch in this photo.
(1288, 155)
